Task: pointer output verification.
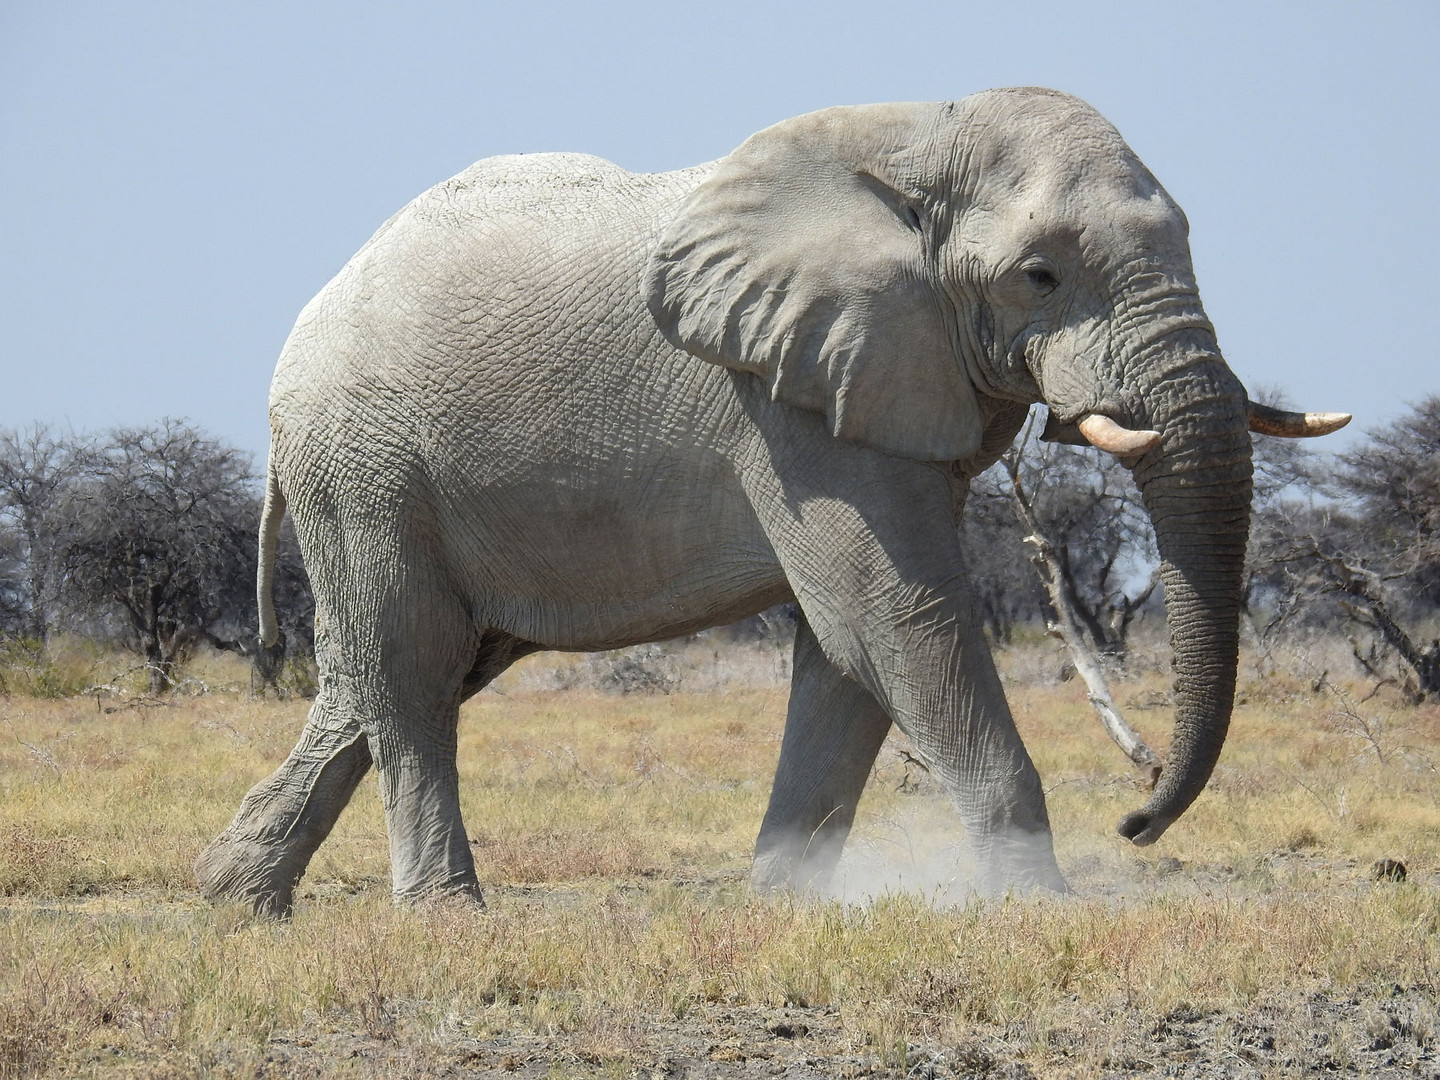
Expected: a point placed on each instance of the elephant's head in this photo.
(895, 266)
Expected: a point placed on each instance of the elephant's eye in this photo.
(1042, 279)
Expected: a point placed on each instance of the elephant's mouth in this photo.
(1101, 431)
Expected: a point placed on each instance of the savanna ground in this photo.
(612, 834)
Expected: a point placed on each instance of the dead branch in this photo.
(1067, 625)
(1365, 603)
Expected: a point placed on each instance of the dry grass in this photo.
(613, 834)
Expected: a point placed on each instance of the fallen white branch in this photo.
(1087, 664)
(1067, 629)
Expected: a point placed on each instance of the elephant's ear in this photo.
(798, 260)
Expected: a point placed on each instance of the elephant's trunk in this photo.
(1196, 486)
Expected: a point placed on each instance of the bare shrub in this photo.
(750, 655)
(52, 1006)
(33, 668)
(645, 669)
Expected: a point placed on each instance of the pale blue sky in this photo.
(178, 178)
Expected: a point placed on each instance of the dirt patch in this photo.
(709, 1042)
(1382, 1032)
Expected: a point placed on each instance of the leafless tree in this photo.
(36, 468)
(160, 544)
(1393, 478)
(1006, 588)
(1358, 539)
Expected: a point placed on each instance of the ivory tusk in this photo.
(1293, 425)
(1114, 439)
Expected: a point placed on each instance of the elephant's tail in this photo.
(270, 518)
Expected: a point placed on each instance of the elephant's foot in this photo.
(770, 872)
(430, 856)
(801, 865)
(250, 872)
(460, 893)
(1017, 862)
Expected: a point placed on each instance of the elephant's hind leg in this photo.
(285, 817)
(407, 676)
(833, 732)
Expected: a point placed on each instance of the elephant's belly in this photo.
(600, 565)
(592, 626)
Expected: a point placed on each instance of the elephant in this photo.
(555, 405)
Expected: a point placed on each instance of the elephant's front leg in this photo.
(833, 732)
(976, 751)
(933, 669)
(938, 677)
(869, 546)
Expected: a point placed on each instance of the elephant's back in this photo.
(517, 221)
(506, 222)
(519, 260)
(549, 191)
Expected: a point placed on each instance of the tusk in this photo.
(1294, 425)
(1114, 439)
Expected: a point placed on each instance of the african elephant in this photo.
(555, 405)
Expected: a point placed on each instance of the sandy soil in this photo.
(1380, 1033)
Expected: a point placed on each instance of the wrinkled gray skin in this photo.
(555, 405)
